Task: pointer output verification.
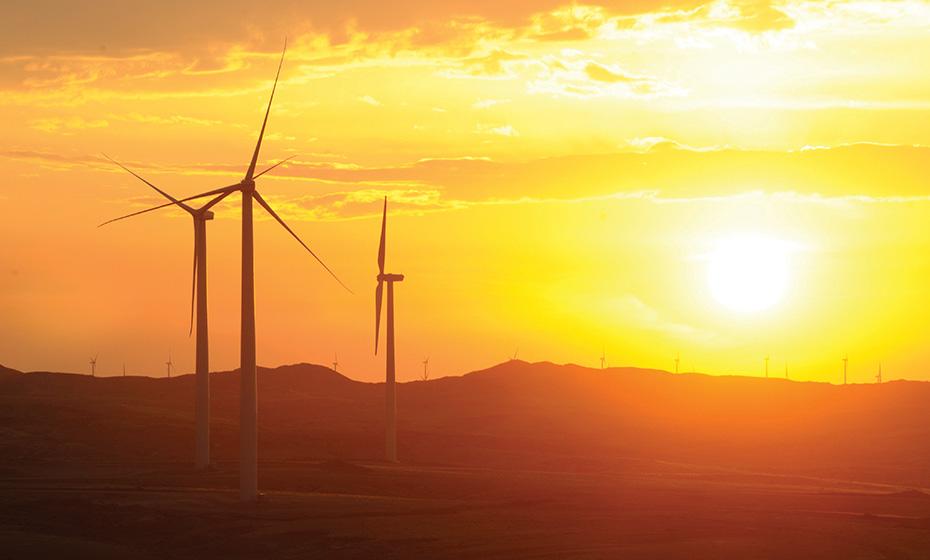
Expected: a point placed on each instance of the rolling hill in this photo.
(513, 415)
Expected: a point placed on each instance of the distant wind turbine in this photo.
(390, 388)
(845, 362)
(169, 364)
(878, 378)
(93, 366)
(603, 358)
(335, 362)
(677, 361)
(426, 369)
(248, 399)
(124, 369)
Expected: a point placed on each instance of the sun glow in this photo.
(748, 273)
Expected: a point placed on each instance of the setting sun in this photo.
(748, 273)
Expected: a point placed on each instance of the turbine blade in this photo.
(274, 215)
(228, 189)
(161, 192)
(194, 281)
(216, 200)
(273, 166)
(383, 239)
(379, 292)
(137, 213)
(225, 191)
(261, 134)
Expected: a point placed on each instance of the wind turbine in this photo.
(390, 389)
(878, 378)
(426, 369)
(200, 217)
(336, 362)
(169, 364)
(603, 358)
(677, 361)
(248, 400)
(845, 362)
(93, 366)
(124, 369)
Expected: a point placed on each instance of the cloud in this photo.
(488, 103)
(501, 130)
(67, 126)
(666, 173)
(369, 100)
(634, 310)
(578, 77)
(600, 73)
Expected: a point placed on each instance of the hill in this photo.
(513, 415)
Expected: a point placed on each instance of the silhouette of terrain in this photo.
(519, 460)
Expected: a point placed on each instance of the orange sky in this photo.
(558, 175)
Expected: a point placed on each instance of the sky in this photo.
(722, 181)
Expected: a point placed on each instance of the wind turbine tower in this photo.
(200, 218)
(390, 388)
(336, 362)
(248, 398)
(878, 378)
(603, 358)
(426, 369)
(169, 364)
(93, 366)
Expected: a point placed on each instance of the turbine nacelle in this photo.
(390, 278)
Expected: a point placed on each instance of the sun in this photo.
(748, 273)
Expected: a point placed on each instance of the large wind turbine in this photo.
(390, 388)
(200, 217)
(248, 413)
(93, 366)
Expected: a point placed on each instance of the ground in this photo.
(344, 510)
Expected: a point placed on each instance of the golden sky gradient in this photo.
(558, 174)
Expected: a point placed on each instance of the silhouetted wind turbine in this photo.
(390, 388)
(335, 362)
(248, 413)
(426, 369)
(603, 358)
(124, 369)
(93, 366)
(878, 378)
(169, 364)
(200, 217)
